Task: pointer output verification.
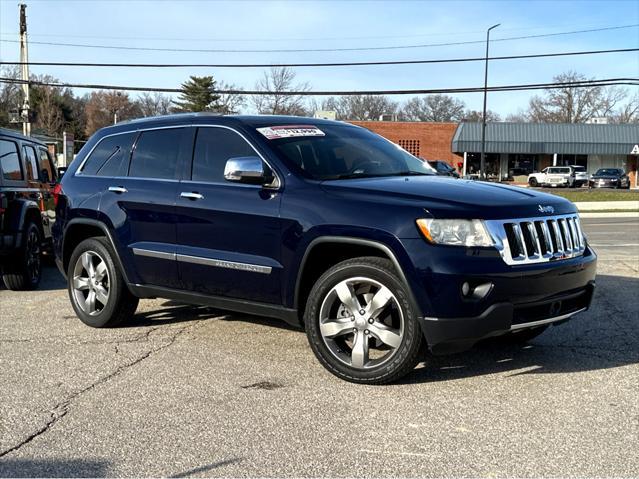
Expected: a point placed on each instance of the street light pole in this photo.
(482, 163)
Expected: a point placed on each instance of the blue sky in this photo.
(326, 24)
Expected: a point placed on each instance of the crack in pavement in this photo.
(62, 408)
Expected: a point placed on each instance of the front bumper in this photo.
(518, 296)
(451, 335)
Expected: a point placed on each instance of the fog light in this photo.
(465, 289)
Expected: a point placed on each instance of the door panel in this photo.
(141, 206)
(228, 234)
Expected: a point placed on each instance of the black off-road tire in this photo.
(533, 183)
(411, 347)
(24, 271)
(121, 304)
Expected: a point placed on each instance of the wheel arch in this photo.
(340, 248)
(78, 230)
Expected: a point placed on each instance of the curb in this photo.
(623, 214)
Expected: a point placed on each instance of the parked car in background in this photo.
(551, 176)
(322, 224)
(27, 209)
(579, 176)
(610, 178)
(443, 168)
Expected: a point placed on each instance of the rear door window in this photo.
(31, 162)
(213, 147)
(10, 161)
(110, 157)
(47, 171)
(157, 154)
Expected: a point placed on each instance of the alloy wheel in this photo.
(361, 322)
(91, 283)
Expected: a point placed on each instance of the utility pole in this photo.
(24, 59)
(482, 161)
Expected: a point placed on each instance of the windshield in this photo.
(343, 152)
(607, 172)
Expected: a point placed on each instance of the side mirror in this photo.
(247, 169)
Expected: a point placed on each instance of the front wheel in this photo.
(96, 287)
(361, 323)
(533, 182)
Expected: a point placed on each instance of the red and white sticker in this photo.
(289, 131)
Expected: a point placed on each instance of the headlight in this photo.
(455, 232)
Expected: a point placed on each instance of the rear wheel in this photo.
(96, 287)
(25, 270)
(361, 323)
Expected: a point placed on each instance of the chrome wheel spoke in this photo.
(359, 355)
(81, 283)
(336, 327)
(347, 296)
(102, 295)
(379, 302)
(386, 335)
(87, 264)
(90, 302)
(100, 271)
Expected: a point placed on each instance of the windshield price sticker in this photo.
(290, 131)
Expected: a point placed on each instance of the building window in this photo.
(411, 146)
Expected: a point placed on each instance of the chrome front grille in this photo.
(538, 240)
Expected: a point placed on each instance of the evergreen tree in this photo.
(198, 94)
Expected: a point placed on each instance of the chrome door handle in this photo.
(118, 189)
(191, 195)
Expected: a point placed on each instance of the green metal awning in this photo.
(547, 138)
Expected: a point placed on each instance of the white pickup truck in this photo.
(559, 176)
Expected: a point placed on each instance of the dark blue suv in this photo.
(322, 224)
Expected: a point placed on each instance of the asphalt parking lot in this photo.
(193, 391)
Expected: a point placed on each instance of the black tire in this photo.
(402, 359)
(533, 182)
(523, 336)
(25, 270)
(120, 305)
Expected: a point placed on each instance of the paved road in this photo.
(193, 391)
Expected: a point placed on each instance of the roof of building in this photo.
(548, 138)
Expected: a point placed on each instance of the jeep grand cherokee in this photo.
(322, 224)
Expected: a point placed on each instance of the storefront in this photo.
(514, 150)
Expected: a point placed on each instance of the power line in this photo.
(270, 39)
(309, 50)
(521, 87)
(327, 64)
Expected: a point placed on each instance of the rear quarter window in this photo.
(110, 157)
(10, 161)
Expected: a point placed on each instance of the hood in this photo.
(450, 198)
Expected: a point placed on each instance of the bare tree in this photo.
(10, 94)
(439, 108)
(628, 113)
(574, 104)
(154, 104)
(276, 81)
(102, 108)
(48, 110)
(475, 116)
(230, 103)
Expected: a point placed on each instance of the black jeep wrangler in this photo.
(27, 208)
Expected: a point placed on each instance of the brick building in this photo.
(431, 141)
